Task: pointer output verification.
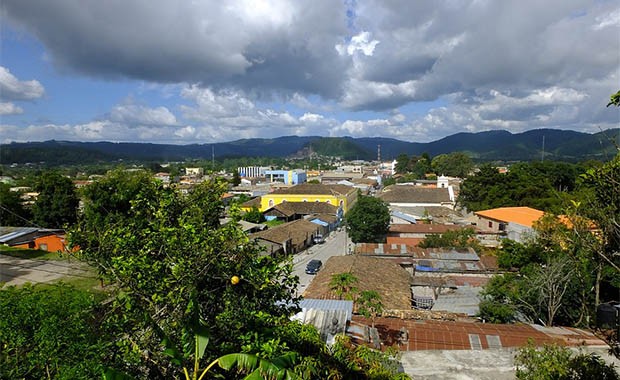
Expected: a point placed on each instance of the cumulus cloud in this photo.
(478, 65)
(132, 114)
(10, 109)
(360, 42)
(12, 88)
(260, 45)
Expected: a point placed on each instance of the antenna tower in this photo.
(379, 152)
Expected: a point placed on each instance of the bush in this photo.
(552, 362)
(496, 312)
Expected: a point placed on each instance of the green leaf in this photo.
(112, 374)
(172, 351)
(246, 362)
(202, 341)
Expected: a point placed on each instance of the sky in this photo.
(184, 72)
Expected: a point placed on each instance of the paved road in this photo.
(16, 271)
(335, 245)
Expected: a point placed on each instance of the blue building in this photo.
(288, 177)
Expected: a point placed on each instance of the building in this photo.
(50, 240)
(387, 278)
(288, 177)
(516, 223)
(416, 196)
(292, 237)
(194, 172)
(343, 197)
(296, 210)
(252, 171)
(413, 234)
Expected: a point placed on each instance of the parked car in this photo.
(313, 266)
(318, 239)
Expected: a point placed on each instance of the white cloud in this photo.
(361, 42)
(12, 88)
(275, 67)
(131, 114)
(607, 20)
(10, 109)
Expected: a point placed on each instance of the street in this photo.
(337, 244)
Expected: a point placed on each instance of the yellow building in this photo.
(337, 195)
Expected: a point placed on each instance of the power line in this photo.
(30, 222)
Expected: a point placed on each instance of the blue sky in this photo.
(211, 71)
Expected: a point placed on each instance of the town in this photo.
(391, 259)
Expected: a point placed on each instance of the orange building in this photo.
(51, 240)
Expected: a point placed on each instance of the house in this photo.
(293, 237)
(383, 276)
(516, 223)
(289, 211)
(416, 196)
(413, 234)
(333, 177)
(343, 197)
(50, 240)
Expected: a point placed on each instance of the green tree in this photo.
(177, 271)
(456, 164)
(368, 220)
(614, 100)
(369, 304)
(236, 179)
(12, 212)
(459, 239)
(254, 216)
(541, 185)
(343, 284)
(402, 163)
(553, 362)
(57, 202)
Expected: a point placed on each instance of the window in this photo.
(43, 246)
(271, 203)
(305, 200)
(490, 224)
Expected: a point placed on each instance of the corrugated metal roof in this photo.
(319, 222)
(403, 216)
(313, 303)
(16, 234)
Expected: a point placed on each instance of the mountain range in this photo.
(553, 144)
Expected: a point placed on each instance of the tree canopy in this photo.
(456, 164)
(12, 212)
(189, 291)
(368, 220)
(541, 185)
(172, 263)
(57, 202)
